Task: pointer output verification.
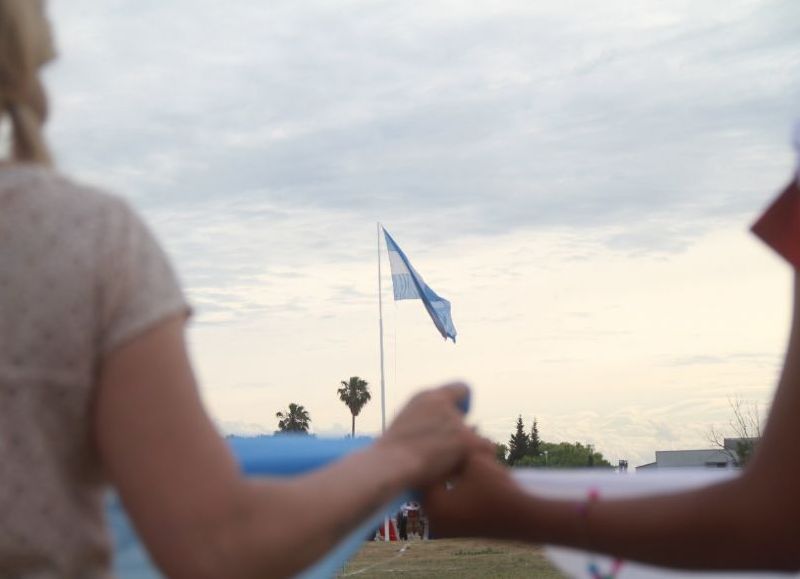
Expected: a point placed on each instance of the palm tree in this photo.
(355, 394)
(296, 419)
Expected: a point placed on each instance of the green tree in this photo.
(355, 394)
(534, 443)
(296, 419)
(565, 455)
(500, 451)
(518, 443)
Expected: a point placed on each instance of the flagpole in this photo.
(383, 379)
(380, 328)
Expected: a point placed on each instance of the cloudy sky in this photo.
(576, 177)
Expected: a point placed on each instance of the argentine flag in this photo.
(409, 285)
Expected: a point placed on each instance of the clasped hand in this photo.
(455, 468)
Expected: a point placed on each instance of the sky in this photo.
(577, 178)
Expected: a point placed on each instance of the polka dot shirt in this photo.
(80, 275)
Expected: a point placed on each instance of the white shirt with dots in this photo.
(80, 275)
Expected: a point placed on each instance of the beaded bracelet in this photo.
(593, 568)
(591, 497)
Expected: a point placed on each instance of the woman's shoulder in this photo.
(33, 179)
(56, 198)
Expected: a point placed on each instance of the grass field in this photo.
(450, 559)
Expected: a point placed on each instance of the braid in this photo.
(29, 144)
(25, 45)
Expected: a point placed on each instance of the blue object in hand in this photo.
(463, 404)
(291, 454)
(280, 455)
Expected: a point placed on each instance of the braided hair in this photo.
(25, 46)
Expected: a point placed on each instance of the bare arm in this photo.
(752, 522)
(182, 487)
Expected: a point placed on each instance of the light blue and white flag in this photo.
(409, 285)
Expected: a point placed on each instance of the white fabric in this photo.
(575, 485)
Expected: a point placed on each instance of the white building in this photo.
(726, 457)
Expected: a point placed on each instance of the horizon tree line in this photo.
(527, 449)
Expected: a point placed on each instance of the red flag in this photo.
(779, 226)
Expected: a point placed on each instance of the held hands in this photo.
(481, 501)
(431, 434)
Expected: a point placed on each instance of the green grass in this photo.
(451, 559)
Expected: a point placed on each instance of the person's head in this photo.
(25, 46)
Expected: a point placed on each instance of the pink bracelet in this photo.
(593, 569)
(591, 497)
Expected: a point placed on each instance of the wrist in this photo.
(399, 462)
(556, 521)
(526, 510)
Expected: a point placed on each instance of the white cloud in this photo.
(574, 176)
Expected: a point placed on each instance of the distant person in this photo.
(750, 522)
(96, 388)
(402, 523)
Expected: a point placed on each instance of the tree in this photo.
(565, 455)
(529, 450)
(745, 424)
(518, 443)
(500, 452)
(296, 419)
(355, 394)
(533, 441)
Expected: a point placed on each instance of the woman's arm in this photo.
(183, 489)
(752, 522)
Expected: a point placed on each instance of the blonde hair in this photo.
(25, 46)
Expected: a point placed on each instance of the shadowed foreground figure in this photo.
(751, 522)
(96, 389)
